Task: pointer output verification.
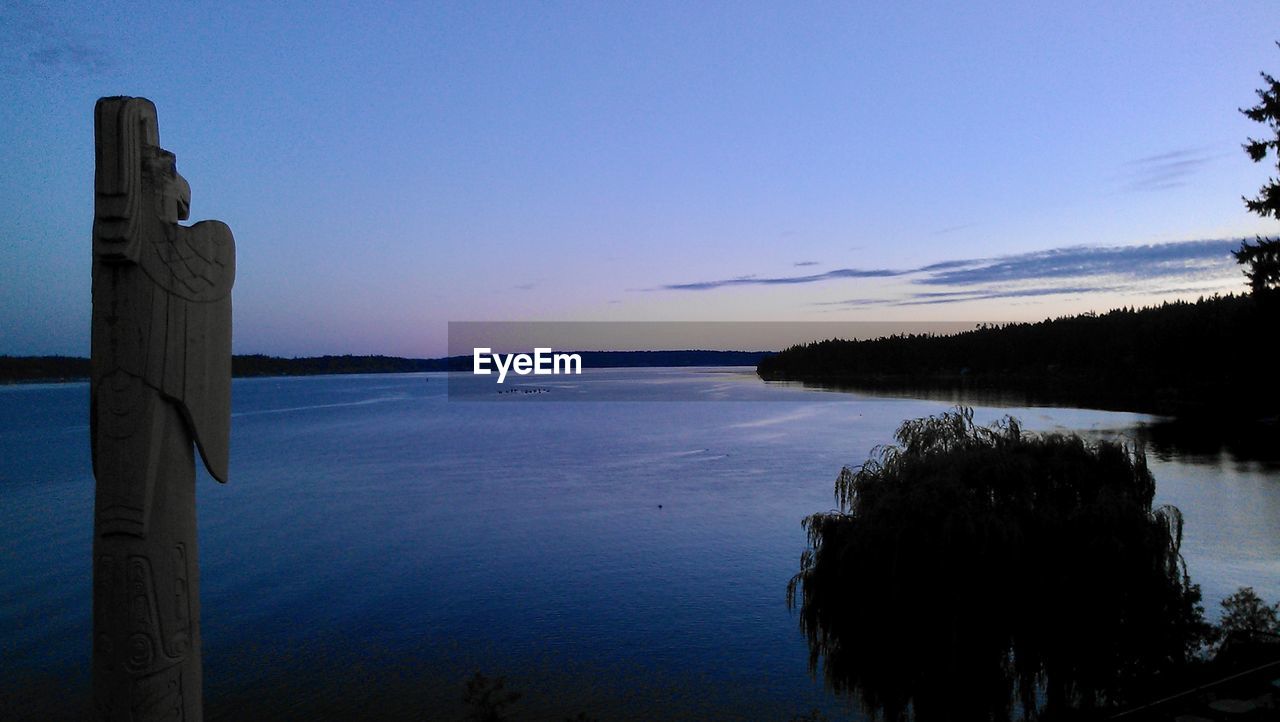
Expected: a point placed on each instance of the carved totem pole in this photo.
(160, 381)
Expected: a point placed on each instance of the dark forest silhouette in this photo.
(1181, 358)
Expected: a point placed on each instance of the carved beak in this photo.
(182, 192)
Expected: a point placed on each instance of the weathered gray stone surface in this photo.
(160, 381)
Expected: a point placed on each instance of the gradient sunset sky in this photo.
(388, 168)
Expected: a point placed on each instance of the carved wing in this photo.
(195, 269)
(196, 263)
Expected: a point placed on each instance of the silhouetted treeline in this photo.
(260, 365)
(1179, 358)
(639, 359)
(270, 366)
(20, 369)
(23, 369)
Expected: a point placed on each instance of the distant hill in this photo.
(271, 366)
(1179, 358)
(28, 369)
(260, 365)
(636, 359)
(24, 369)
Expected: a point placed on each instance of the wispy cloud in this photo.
(1180, 259)
(1165, 170)
(1072, 270)
(780, 280)
(932, 299)
(953, 229)
(805, 263)
(33, 36)
(70, 57)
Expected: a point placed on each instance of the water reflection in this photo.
(1209, 440)
(1213, 441)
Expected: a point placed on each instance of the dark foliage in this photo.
(1178, 358)
(1263, 257)
(68, 368)
(488, 699)
(18, 369)
(1263, 260)
(1266, 112)
(260, 365)
(1246, 612)
(813, 715)
(969, 568)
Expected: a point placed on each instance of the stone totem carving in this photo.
(160, 381)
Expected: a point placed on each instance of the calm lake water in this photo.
(378, 542)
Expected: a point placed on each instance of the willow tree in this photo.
(972, 570)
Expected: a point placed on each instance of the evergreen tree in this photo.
(1263, 257)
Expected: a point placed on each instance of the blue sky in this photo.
(389, 168)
